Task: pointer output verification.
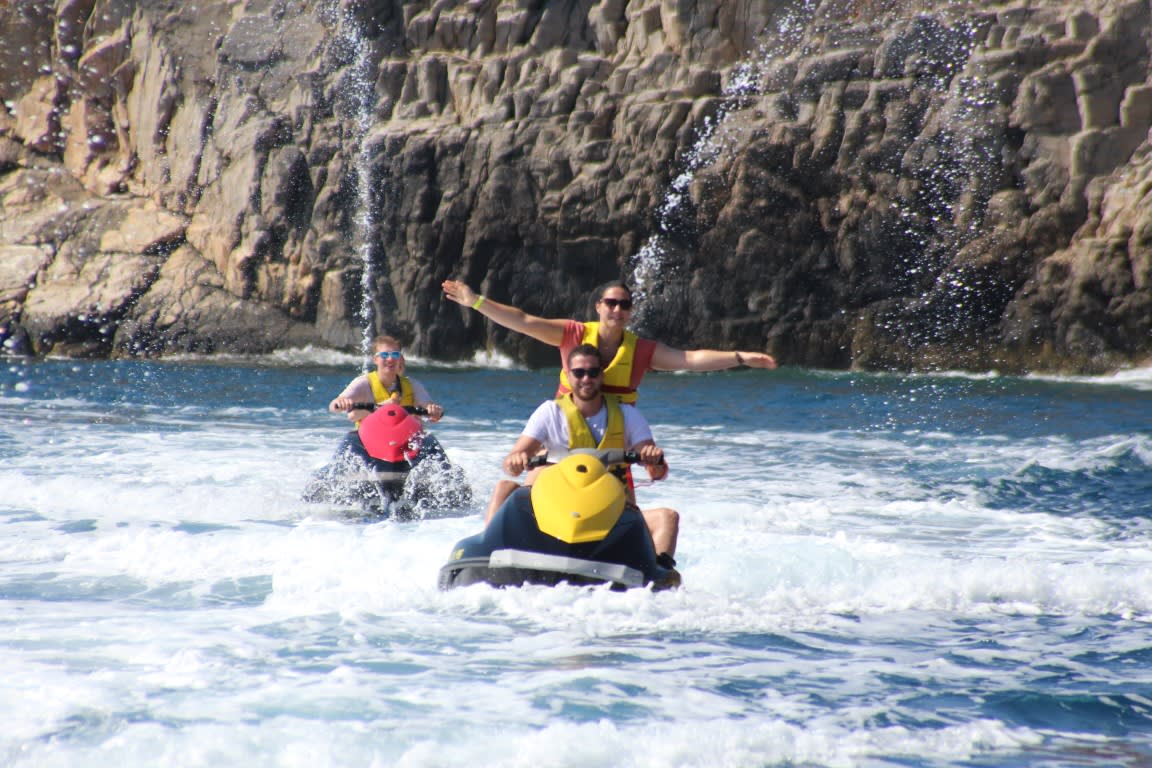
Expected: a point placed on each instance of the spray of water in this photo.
(716, 138)
(358, 97)
(946, 212)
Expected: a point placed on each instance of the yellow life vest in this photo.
(580, 436)
(382, 395)
(617, 374)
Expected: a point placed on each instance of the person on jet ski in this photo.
(585, 418)
(388, 442)
(624, 357)
(385, 384)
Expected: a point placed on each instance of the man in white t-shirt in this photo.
(592, 415)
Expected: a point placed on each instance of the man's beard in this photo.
(576, 393)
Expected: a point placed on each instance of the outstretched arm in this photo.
(548, 330)
(666, 358)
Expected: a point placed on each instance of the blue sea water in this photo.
(879, 570)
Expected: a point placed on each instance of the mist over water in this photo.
(927, 570)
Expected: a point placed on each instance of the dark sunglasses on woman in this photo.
(624, 304)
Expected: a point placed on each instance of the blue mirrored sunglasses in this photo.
(388, 355)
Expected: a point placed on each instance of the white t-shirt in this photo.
(360, 390)
(549, 426)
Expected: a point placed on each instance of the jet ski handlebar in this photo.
(415, 410)
(607, 456)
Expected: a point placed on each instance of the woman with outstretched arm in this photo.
(625, 356)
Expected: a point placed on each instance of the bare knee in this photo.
(664, 525)
(665, 516)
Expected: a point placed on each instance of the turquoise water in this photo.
(879, 570)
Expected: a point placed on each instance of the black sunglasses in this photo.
(579, 373)
(624, 304)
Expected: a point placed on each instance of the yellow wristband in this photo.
(476, 304)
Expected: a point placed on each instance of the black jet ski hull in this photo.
(512, 551)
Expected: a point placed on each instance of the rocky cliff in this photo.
(870, 183)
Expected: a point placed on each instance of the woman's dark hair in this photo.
(600, 290)
(610, 284)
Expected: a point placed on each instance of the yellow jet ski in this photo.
(573, 525)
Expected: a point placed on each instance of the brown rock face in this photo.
(870, 184)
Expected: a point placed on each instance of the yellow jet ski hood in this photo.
(577, 500)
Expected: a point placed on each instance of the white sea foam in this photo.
(170, 600)
(320, 356)
(1139, 378)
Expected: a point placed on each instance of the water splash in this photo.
(357, 98)
(717, 137)
(958, 168)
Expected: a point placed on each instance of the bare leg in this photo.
(664, 524)
(500, 493)
(503, 490)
